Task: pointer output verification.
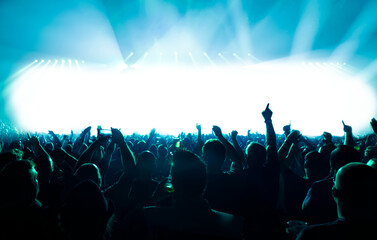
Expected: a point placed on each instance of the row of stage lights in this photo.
(324, 63)
(62, 61)
(190, 54)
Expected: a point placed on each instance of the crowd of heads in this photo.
(190, 186)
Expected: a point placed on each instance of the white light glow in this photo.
(174, 99)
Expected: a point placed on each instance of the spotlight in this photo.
(219, 54)
(146, 53)
(344, 63)
(42, 60)
(249, 54)
(63, 61)
(69, 61)
(76, 61)
(234, 54)
(205, 54)
(160, 53)
(175, 53)
(49, 61)
(190, 53)
(82, 61)
(35, 60)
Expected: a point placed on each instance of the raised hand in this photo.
(294, 136)
(199, 127)
(34, 141)
(217, 131)
(373, 123)
(116, 135)
(327, 137)
(287, 128)
(234, 134)
(86, 130)
(267, 113)
(346, 128)
(152, 132)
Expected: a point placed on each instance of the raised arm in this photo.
(150, 138)
(86, 156)
(271, 136)
(271, 173)
(348, 138)
(373, 124)
(199, 142)
(80, 141)
(38, 149)
(288, 149)
(55, 139)
(230, 150)
(238, 148)
(104, 164)
(128, 157)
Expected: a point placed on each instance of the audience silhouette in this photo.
(190, 186)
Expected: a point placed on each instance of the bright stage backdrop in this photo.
(168, 65)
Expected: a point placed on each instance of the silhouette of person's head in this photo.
(49, 147)
(145, 165)
(162, 151)
(355, 192)
(255, 155)
(189, 175)
(19, 184)
(343, 155)
(214, 155)
(84, 214)
(186, 143)
(316, 165)
(10, 156)
(89, 171)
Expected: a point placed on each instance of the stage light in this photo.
(219, 54)
(35, 60)
(249, 54)
(282, 75)
(190, 53)
(146, 53)
(76, 61)
(344, 63)
(42, 60)
(49, 61)
(175, 53)
(82, 61)
(132, 53)
(205, 54)
(234, 54)
(160, 53)
(63, 61)
(69, 61)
